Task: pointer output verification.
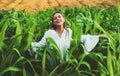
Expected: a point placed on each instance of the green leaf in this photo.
(109, 63)
(11, 68)
(30, 35)
(118, 6)
(24, 72)
(43, 63)
(53, 43)
(86, 64)
(56, 68)
(19, 34)
(19, 59)
(17, 51)
(2, 33)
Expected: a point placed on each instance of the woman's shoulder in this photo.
(49, 31)
(69, 29)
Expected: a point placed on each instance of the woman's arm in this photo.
(90, 41)
(36, 45)
(41, 43)
(103, 36)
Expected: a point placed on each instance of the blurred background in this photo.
(36, 5)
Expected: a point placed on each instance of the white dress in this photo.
(63, 42)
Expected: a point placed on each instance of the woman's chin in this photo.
(58, 24)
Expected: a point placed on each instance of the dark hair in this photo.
(53, 26)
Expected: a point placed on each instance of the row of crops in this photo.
(19, 28)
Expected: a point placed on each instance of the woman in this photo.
(62, 35)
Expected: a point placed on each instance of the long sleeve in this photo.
(89, 41)
(41, 43)
(37, 45)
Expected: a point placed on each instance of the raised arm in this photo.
(36, 45)
(90, 41)
(103, 36)
(41, 43)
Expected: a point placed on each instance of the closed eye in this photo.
(59, 16)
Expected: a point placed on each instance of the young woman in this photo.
(62, 36)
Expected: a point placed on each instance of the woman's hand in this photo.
(103, 36)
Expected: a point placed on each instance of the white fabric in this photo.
(89, 41)
(63, 42)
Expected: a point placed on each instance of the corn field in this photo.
(19, 28)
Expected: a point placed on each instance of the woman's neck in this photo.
(59, 31)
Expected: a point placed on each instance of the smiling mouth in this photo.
(58, 21)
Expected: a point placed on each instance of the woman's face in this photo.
(58, 19)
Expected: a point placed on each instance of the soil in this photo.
(38, 5)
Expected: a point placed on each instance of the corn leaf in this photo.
(12, 68)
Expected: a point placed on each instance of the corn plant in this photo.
(19, 28)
